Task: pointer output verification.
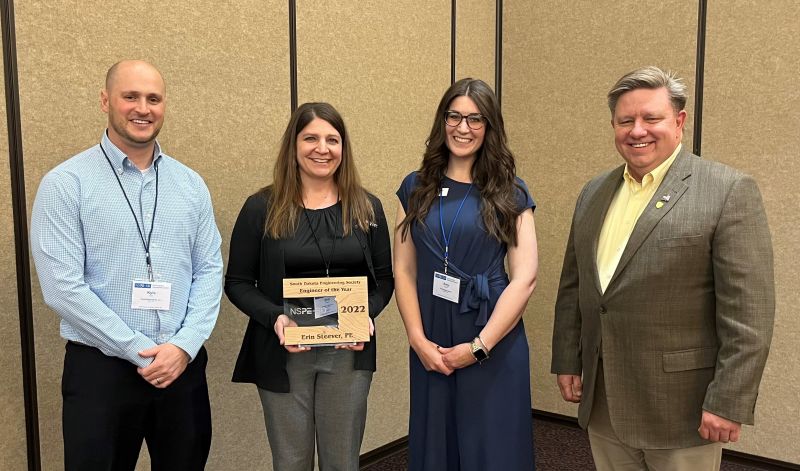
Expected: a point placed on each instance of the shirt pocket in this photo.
(691, 359)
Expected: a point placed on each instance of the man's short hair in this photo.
(653, 78)
(111, 75)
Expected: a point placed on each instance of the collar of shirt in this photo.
(654, 177)
(118, 158)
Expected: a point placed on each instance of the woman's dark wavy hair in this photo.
(286, 192)
(493, 172)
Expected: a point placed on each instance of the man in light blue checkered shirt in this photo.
(128, 254)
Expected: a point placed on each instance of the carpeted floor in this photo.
(558, 447)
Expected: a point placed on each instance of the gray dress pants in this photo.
(327, 404)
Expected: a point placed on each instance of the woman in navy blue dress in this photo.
(461, 216)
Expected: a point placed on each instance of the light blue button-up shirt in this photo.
(88, 252)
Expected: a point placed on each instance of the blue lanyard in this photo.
(447, 238)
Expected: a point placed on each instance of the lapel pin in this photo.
(665, 198)
(659, 205)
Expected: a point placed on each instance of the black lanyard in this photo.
(145, 243)
(319, 247)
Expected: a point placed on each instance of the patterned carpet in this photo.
(558, 447)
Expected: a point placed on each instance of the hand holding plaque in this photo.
(358, 346)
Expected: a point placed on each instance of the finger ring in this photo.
(158, 380)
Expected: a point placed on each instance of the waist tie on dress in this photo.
(476, 293)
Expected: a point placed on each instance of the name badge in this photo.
(151, 295)
(446, 287)
(325, 306)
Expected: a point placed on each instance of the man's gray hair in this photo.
(653, 78)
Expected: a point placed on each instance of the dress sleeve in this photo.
(524, 198)
(404, 192)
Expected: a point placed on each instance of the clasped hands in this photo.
(169, 362)
(284, 321)
(444, 360)
(712, 427)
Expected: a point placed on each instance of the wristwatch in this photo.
(478, 350)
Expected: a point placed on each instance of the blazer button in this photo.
(602, 310)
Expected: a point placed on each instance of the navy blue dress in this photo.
(478, 418)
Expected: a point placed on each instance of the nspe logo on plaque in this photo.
(311, 312)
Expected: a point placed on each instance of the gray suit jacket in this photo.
(686, 321)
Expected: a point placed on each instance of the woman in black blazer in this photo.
(314, 220)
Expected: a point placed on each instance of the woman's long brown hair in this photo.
(493, 172)
(286, 192)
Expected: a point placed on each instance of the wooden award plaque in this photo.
(328, 311)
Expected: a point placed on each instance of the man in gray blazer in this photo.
(666, 301)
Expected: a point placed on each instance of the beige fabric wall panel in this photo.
(12, 415)
(226, 69)
(384, 65)
(560, 59)
(475, 40)
(751, 121)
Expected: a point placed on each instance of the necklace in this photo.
(327, 262)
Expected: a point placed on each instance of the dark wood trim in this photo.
(18, 203)
(498, 51)
(699, 75)
(381, 453)
(401, 444)
(758, 462)
(730, 456)
(555, 418)
(293, 54)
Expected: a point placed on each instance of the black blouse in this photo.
(318, 241)
(257, 265)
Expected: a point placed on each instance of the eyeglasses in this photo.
(453, 119)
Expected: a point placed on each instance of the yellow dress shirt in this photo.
(625, 209)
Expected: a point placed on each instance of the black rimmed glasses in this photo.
(475, 121)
